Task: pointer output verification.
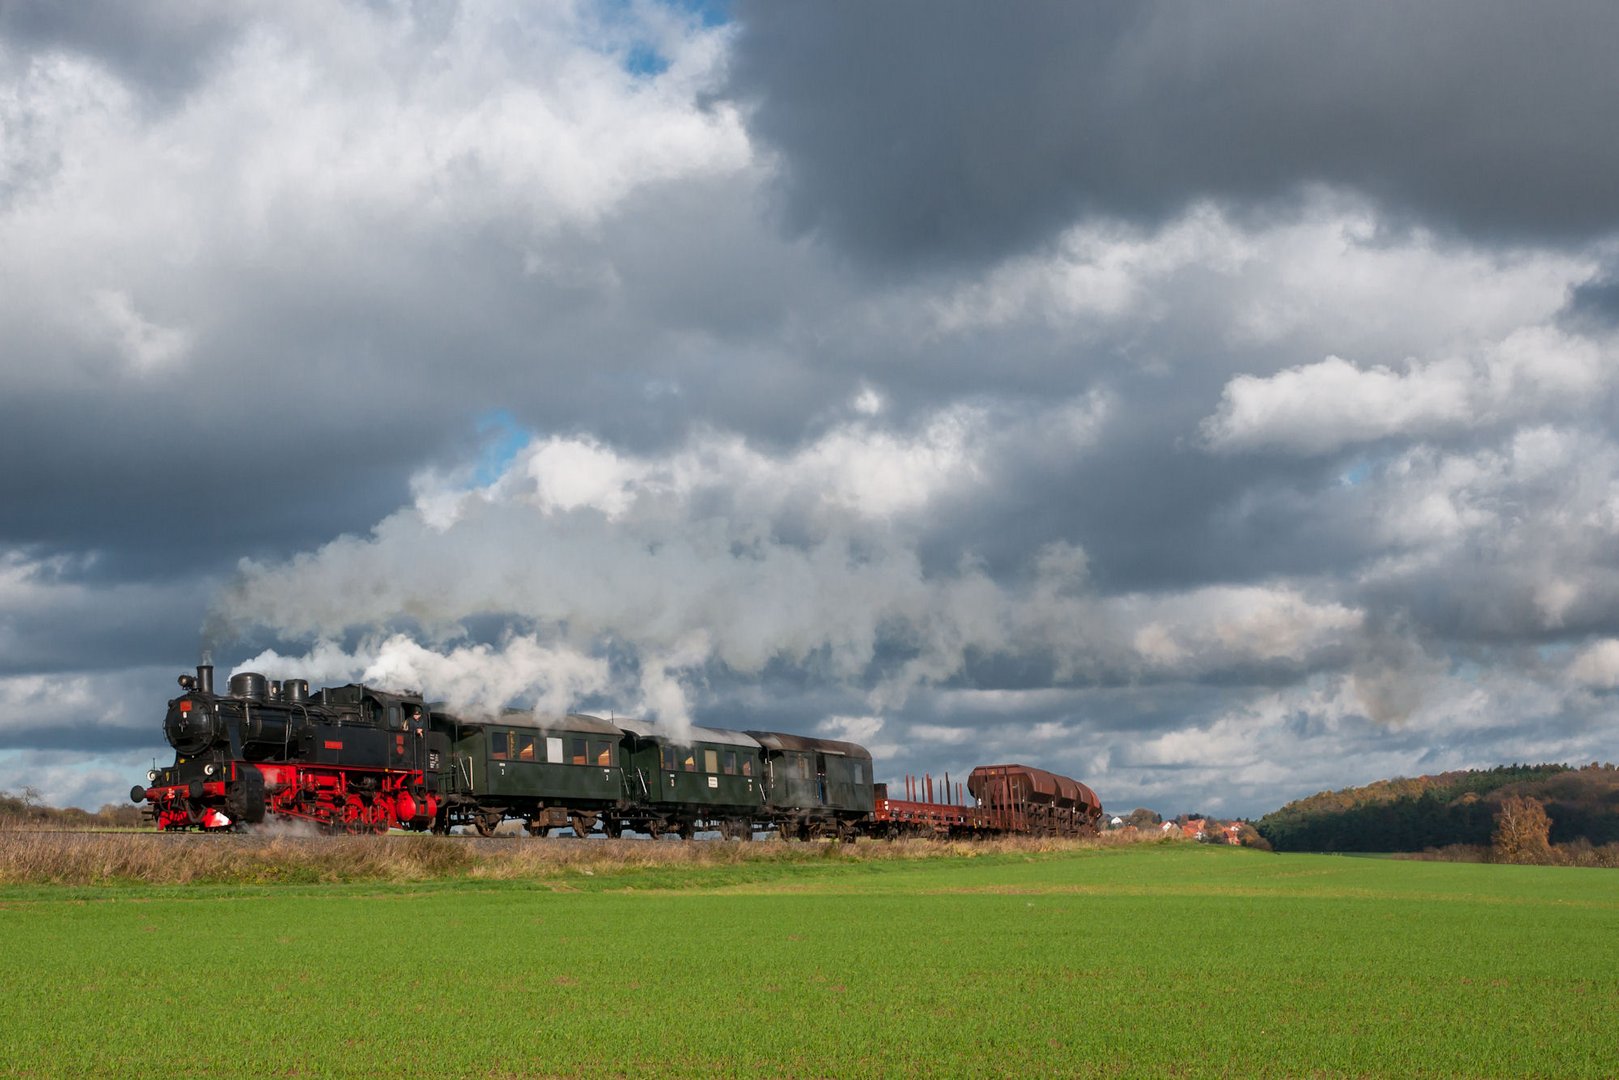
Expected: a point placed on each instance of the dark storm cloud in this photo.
(919, 131)
(163, 48)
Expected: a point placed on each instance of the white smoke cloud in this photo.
(471, 679)
(722, 554)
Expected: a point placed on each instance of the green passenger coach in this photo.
(815, 787)
(707, 778)
(545, 773)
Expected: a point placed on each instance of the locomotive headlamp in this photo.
(151, 776)
(208, 770)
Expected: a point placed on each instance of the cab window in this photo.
(523, 747)
(604, 752)
(394, 720)
(576, 751)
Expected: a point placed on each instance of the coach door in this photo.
(820, 778)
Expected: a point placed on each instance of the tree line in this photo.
(1581, 806)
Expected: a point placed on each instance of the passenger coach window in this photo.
(711, 761)
(803, 768)
(860, 774)
(668, 759)
(690, 762)
(747, 766)
(553, 750)
(730, 763)
(523, 747)
(604, 753)
(578, 751)
(498, 745)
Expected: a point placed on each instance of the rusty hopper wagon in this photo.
(1030, 801)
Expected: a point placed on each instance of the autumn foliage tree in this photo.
(1522, 832)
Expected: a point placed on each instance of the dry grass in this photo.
(70, 858)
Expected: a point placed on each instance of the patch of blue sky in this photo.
(643, 59)
(1357, 472)
(645, 62)
(503, 439)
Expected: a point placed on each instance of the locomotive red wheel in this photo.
(352, 816)
(376, 816)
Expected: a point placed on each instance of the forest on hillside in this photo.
(1452, 808)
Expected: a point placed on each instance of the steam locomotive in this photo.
(358, 759)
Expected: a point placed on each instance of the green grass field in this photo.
(1145, 961)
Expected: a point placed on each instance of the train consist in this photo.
(358, 759)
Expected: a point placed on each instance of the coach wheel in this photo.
(487, 823)
(534, 828)
(582, 823)
(613, 827)
(787, 830)
(686, 829)
(654, 828)
(744, 830)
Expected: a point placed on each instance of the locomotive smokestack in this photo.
(205, 678)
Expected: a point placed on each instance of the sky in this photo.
(1216, 404)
